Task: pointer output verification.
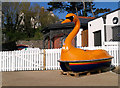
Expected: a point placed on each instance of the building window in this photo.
(97, 38)
(116, 33)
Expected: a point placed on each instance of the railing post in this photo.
(13, 61)
(44, 60)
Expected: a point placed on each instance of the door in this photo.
(85, 38)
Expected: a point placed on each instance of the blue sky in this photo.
(111, 5)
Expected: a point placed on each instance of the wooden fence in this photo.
(43, 59)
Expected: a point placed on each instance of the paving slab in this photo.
(53, 78)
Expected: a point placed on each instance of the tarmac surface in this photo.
(53, 78)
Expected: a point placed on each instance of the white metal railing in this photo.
(112, 50)
(111, 43)
(43, 59)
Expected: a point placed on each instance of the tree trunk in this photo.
(84, 11)
(92, 9)
(83, 5)
(76, 11)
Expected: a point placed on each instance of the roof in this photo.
(58, 25)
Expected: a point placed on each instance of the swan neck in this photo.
(68, 41)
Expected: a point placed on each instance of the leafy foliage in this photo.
(17, 20)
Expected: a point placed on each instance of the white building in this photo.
(34, 20)
(104, 29)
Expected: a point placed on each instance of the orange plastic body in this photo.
(70, 53)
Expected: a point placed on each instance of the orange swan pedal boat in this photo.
(78, 60)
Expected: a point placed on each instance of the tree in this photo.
(17, 20)
(43, 16)
(80, 8)
(10, 18)
(100, 10)
(91, 7)
(46, 18)
(73, 7)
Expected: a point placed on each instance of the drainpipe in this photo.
(0, 27)
(44, 42)
(104, 22)
(50, 40)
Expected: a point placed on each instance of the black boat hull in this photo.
(80, 66)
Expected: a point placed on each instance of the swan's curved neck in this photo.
(68, 41)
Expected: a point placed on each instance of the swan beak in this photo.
(66, 21)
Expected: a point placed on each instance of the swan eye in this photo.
(70, 18)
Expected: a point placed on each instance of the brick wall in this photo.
(31, 43)
(57, 42)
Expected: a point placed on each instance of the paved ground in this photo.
(53, 78)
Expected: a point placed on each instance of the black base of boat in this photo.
(80, 66)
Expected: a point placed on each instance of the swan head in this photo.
(70, 17)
